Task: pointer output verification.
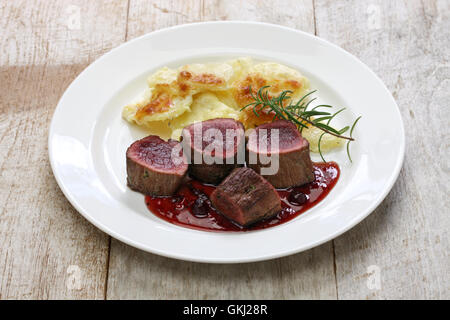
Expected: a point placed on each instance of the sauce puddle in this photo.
(190, 206)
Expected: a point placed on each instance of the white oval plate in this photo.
(88, 139)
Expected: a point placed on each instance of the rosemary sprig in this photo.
(299, 114)
(351, 133)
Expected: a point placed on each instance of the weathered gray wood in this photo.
(47, 249)
(135, 274)
(146, 16)
(406, 239)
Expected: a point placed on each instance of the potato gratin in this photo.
(178, 97)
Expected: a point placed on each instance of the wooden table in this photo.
(49, 251)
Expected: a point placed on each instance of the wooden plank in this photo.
(59, 32)
(136, 274)
(405, 241)
(48, 250)
(146, 16)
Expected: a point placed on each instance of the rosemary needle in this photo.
(299, 114)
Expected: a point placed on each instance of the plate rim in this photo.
(381, 196)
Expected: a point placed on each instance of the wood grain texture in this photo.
(135, 274)
(407, 44)
(146, 16)
(48, 251)
(59, 32)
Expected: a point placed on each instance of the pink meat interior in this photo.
(155, 153)
(216, 134)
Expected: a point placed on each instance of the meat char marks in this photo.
(245, 197)
(154, 167)
(295, 166)
(214, 148)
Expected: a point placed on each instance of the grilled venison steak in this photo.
(295, 166)
(212, 146)
(245, 197)
(151, 168)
